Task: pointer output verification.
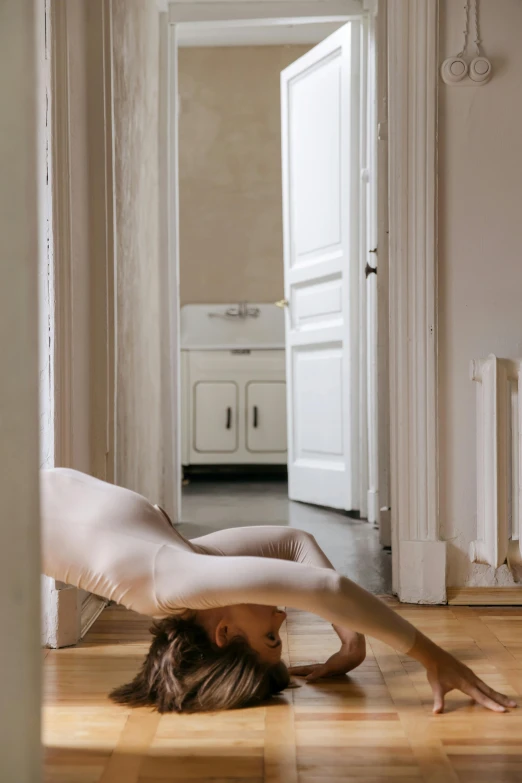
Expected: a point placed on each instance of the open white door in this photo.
(320, 114)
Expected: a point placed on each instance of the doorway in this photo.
(250, 372)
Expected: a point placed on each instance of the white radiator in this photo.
(499, 460)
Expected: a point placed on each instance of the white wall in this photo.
(480, 255)
(231, 226)
(19, 524)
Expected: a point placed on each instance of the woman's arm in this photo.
(288, 543)
(195, 581)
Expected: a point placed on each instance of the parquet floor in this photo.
(374, 726)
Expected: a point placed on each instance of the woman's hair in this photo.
(185, 671)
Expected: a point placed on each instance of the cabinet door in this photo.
(215, 416)
(266, 416)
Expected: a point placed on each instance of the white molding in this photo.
(169, 279)
(278, 11)
(412, 81)
(423, 572)
(382, 500)
(279, 32)
(91, 609)
(364, 335)
(62, 227)
(61, 620)
(101, 241)
(171, 321)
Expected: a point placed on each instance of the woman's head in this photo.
(258, 625)
(188, 670)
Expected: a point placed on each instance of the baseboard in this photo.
(422, 572)
(92, 608)
(485, 596)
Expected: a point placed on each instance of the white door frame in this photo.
(82, 326)
(237, 13)
(418, 554)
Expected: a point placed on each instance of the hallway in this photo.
(352, 545)
(371, 727)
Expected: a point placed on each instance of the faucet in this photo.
(241, 311)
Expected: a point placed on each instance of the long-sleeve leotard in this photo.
(115, 543)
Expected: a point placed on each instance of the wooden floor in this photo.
(372, 727)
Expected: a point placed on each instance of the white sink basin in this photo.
(206, 327)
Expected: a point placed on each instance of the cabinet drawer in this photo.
(266, 416)
(215, 417)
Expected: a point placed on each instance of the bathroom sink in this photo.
(206, 327)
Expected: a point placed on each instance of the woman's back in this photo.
(102, 538)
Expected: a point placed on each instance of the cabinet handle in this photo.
(229, 418)
(255, 416)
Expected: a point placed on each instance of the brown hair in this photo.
(184, 671)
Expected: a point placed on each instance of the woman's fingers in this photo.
(438, 698)
(500, 698)
(486, 701)
(454, 675)
(320, 671)
(312, 672)
(302, 671)
(478, 691)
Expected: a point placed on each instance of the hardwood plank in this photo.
(132, 748)
(280, 763)
(434, 764)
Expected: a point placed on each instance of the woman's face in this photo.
(259, 625)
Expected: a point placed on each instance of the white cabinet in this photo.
(215, 417)
(233, 407)
(266, 416)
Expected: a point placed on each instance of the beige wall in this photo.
(230, 173)
(19, 525)
(480, 255)
(135, 31)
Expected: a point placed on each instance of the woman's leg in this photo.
(281, 543)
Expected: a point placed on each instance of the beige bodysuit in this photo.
(114, 543)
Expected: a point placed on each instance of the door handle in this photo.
(256, 417)
(282, 303)
(229, 418)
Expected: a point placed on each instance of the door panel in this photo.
(215, 417)
(316, 173)
(320, 99)
(318, 376)
(317, 304)
(266, 416)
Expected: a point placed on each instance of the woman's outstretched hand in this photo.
(351, 655)
(445, 673)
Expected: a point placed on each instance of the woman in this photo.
(216, 638)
